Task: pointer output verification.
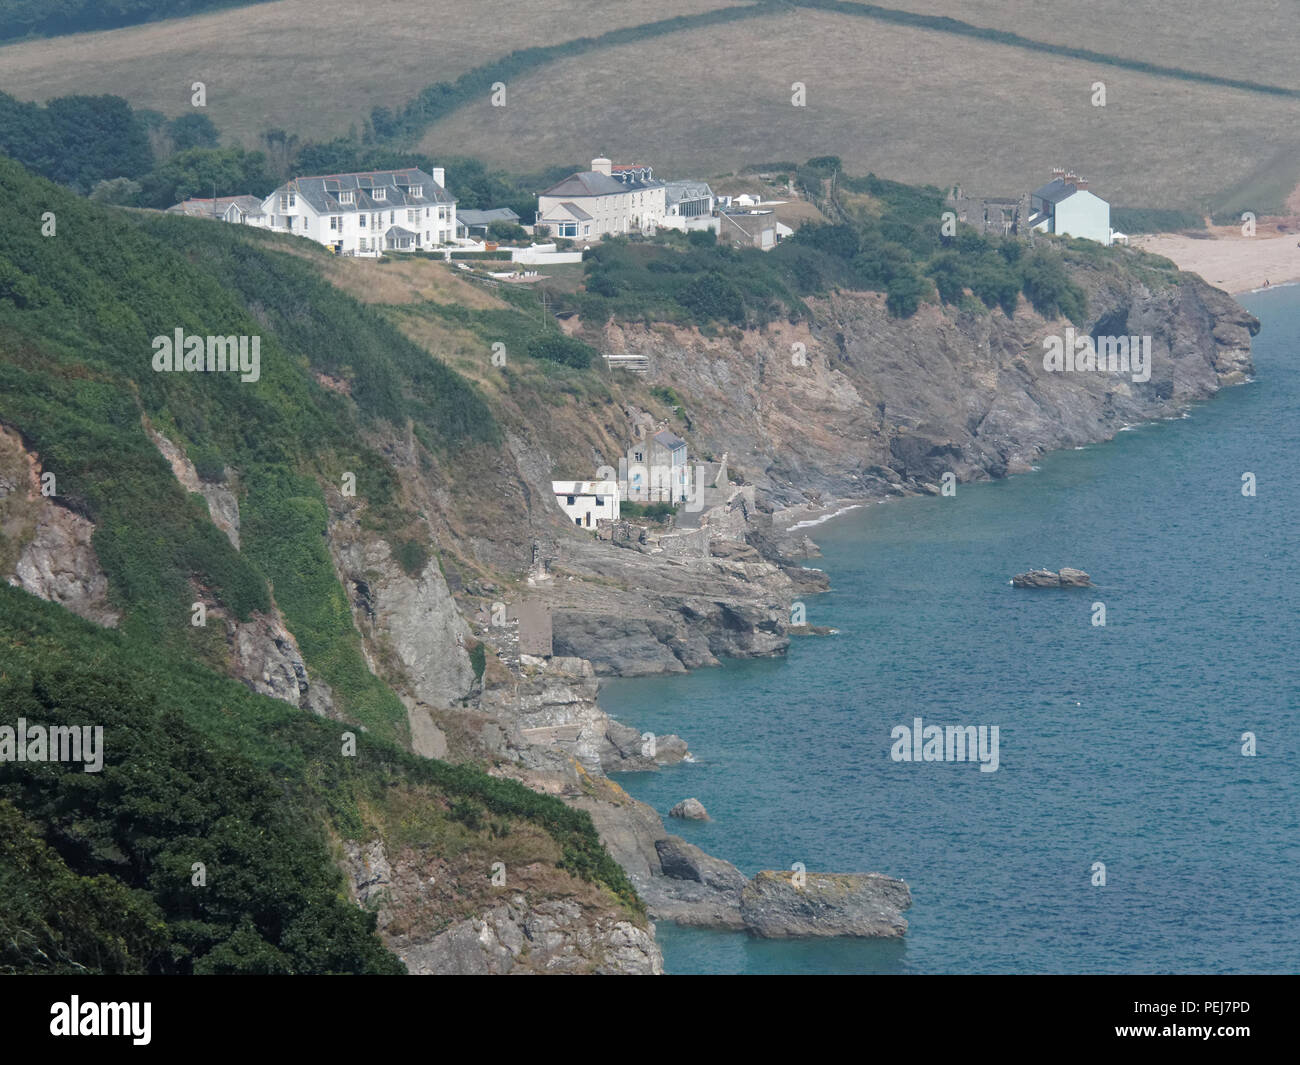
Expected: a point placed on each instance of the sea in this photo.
(1144, 815)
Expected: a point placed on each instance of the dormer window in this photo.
(345, 196)
(417, 192)
(379, 194)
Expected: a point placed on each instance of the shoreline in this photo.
(1226, 259)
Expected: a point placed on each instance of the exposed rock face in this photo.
(512, 933)
(414, 634)
(59, 564)
(222, 504)
(690, 810)
(887, 405)
(266, 657)
(828, 904)
(1046, 578)
(46, 549)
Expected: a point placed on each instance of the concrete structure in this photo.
(367, 213)
(756, 228)
(535, 626)
(586, 502)
(1064, 206)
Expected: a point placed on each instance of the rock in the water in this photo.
(827, 904)
(685, 861)
(690, 809)
(1046, 578)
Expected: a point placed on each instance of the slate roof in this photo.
(574, 211)
(587, 183)
(322, 192)
(209, 208)
(669, 440)
(1055, 191)
(482, 218)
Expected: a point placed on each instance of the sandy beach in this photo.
(1230, 261)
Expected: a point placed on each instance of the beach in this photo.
(1231, 261)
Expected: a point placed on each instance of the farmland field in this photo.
(904, 102)
(312, 67)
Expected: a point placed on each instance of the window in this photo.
(362, 219)
(569, 500)
(336, 223)
(364, 245)
(287, 200)
(345, 196)
(586, 229)
(417, 192)
(577, 522)
(413, 216)
(379, 194)
(640, 456)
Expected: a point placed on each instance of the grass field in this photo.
(934, 103)
(312, 67)
(914, 105)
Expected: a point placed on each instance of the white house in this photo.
(1064, 206)
(366, 214)
(603, 201)
(586, 502)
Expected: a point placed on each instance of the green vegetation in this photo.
(75, 140)
(77, 317)
(888, 240)
(50, 18)
(97, 869)
(651, 511)
(1153, 220)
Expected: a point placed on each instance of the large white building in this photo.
(366, 214)
(606, 200)
(586, 502)
(1064, 206)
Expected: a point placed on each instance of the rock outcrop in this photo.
(690, 810)
(775, 905)
(1046, 578)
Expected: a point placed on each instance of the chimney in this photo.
(1081, 184)
(1071, 177)
(1058, 172)
(440, 176)
(603, 166)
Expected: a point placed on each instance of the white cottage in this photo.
(586, 502)
(1064, 206)
(366, 214)
(603, 201)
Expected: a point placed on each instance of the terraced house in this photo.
(366, 214)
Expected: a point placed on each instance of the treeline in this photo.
(51, 18)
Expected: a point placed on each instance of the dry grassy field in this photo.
(911, 104)
(312, 67)
(916, 104)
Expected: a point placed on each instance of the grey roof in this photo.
(677, 191)
(483, 218)
(587, 183)
(398, 231)
(209, 208)
(322, 192)
(575, 211)
(669, 440)
(1055, 191)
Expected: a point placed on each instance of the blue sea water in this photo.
(1119, 744)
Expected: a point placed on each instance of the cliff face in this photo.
(886, 405)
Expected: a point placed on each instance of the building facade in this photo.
(1064, 206)
(586, 502)
(606, 200)
(366, 214)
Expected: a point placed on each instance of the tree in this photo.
(193, 131)
(122, 192)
